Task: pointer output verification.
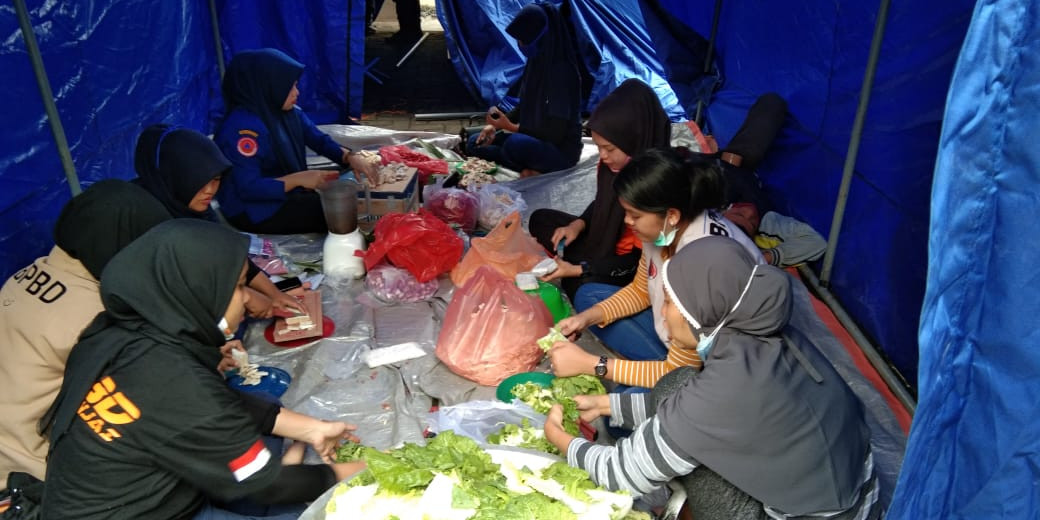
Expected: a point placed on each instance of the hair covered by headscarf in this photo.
(529, 24)
(170, 287)
(173, 164)
(768, 412)
(259, 81)
(108, 215)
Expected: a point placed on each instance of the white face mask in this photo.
(225, 329)
(706, 343)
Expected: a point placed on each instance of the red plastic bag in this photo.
(418, 242)
(490, 329)
(452, 205)
(424, 164)
(507, 248)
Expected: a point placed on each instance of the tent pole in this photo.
(895, 383)
(48, 98)
(854, 140)
(708, 59)
(216, 37)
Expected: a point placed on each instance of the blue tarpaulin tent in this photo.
(114, 67)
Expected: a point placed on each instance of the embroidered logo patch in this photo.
(248, 463)
(247, 146)
(651, 270)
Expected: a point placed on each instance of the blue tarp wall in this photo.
(975, 441)
(116, 66)
(814, 54)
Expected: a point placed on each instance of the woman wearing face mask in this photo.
(546, 136)
(264, 135)
(668, 204)
(183, 169)
(767, 429)
(598, 246)
(144, 425)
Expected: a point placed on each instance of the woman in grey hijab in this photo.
(767, 429)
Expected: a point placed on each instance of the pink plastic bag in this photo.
(507, 248)
(424, 164)
(452, 205)
(418, 242)
(490, 329)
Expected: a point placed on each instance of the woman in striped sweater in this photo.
(668, 204)
(768, 429)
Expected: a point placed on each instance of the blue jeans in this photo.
(633, 337)
(519, 151)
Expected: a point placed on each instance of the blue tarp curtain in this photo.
(975, 441)
(117, 66)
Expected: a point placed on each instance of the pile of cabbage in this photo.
(452, 478)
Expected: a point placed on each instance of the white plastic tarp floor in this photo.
(390, 404)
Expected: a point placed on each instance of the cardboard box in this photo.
(400, 197)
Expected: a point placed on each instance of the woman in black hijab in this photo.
(546, 136)
(598, 247)
(768, 428)
(144, 425)
(183, 169)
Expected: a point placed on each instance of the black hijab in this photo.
(173, 164)
(108, 215)
(169, 287)
(768, 412)
(541, 27)
(631, 118)
(259, 81)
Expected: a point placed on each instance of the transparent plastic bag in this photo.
(395, 285)
(452, 205)
(478, 419)
(497, 202)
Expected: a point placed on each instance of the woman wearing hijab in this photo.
(768, 429)
(49, 302)
(183, 169)
(668, 203)
(264, 135)
(598, 247)
(546, 136)
(144, 425)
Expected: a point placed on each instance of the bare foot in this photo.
(527, 172)
(294, 454)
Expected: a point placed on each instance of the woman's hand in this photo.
(308, 179)
(592, 407)
(568, 359)
(486, 135)
(258, 305)
(285, 302)
(574, 324)
(564, 269)
(227, 361)
(326, 436)
(569, 232)
(362, 166)
(554, 431)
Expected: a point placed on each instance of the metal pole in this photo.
(854, 140)
(48, 97)
(708, 59)
(216, 37)
(895, 383)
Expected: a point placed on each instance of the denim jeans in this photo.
(519, 151)
(633, 337)
(287, 512)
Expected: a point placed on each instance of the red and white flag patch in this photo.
(247, 146)
(248, 463)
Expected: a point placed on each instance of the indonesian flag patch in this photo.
(248, 463)
(247, 146)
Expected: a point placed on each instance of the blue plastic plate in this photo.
(275, 383)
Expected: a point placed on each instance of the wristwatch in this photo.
(584, 268)
(601, 367)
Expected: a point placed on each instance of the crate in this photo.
(402, 197)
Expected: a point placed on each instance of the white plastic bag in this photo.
(478, 419)
(496, 202)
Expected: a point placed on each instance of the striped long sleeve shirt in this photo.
(629, 300)
(648, 459)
